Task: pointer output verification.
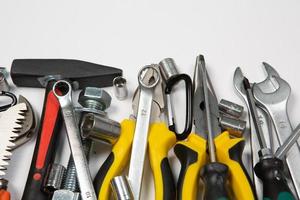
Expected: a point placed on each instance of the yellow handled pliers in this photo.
(193, 156)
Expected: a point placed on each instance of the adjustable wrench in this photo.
(147, 83)
(63, 92)
(275, 102)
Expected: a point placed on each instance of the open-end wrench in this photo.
(251, 147)
(274, 101)
(63, 91)
(139, 146)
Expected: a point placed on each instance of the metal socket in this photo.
(100, 128)
(55, 177)
(120, 87)
(121, 188)
(65, 195)
(230, 108)
(235, 127)
(168, 68)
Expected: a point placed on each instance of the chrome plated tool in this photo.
(10, 126)
(274, 101)
(250, 155)
(139, 146)
(63, 91)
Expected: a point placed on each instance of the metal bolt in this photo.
(91, 98)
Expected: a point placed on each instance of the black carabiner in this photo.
(13, 100)
(173, 80)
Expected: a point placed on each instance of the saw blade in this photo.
(10, 126)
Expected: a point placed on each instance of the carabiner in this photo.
(170, 83)
(13, 100)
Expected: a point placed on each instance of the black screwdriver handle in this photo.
(270, 172)
(45, 147)
(215, 177)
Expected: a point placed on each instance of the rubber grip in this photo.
(192, 156)
(116, 161)
(215, 179)
(229, 152)
(4, 195)
(275, 187)
(160, 141)
(45, 147)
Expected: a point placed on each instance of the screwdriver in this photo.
(270, 168)
(214, 174)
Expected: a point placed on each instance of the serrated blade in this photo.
(10, 125)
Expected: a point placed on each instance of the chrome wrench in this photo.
(275, 102)
(63, 92)
(140, 140)
(252, 147)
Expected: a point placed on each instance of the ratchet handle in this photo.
(229, 152)
(44, 150)
(4, 195)
(192, 156)
(116, 161)
(270, 171)
(160, 141)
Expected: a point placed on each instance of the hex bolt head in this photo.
(93, 97)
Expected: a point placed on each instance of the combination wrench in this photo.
(63, 92)
(275, 102)
(140, 140)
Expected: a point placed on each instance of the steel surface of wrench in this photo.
(252, 147)
(139, 146)
(276, 104)
(63, 92)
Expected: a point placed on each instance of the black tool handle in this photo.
(45, 147)
(215, 177)
(270, 172)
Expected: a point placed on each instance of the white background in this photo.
(130, 34)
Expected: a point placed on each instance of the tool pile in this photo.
(214, 165)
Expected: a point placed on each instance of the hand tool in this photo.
(63, 91)
(11, 123)
(230, 108)
(250, 155)
(29, 125)
(223, 149)
(275, 102)
(28, 73)
(140, 139)
(121, 188)
(235, 127)
(119, 157)
(270, 167)
(120, 88)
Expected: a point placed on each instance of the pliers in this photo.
(193, 156)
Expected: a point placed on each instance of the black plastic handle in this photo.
(170, 83)
(45, 147)
(215, 176)
(270, 172)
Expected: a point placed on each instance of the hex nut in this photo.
(65, 195)
(93, 97)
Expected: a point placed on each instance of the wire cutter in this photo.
(224, 152)
(118, 159)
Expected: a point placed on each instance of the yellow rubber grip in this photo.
(121, 151)
(189, 175)
(160, 141)
(239, 181)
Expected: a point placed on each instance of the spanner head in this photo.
(269, 84)
(238, 78)
(280, 95)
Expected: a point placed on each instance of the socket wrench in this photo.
(147, 85)
(63, 92)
